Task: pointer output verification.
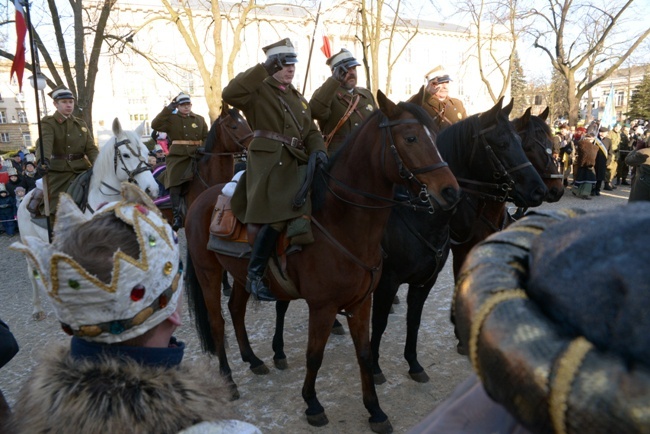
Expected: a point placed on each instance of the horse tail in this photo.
(197, 307)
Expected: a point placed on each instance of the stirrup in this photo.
(258, 289)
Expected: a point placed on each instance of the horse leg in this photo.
(279, 357)
(237, 307)
(37, 310)
(382, 303)
(417, 295)
(227, 289)
(359, 324)
(205, 301)
(319, 325)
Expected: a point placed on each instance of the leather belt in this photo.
(187, 142)
(294, 142)
(69, 157)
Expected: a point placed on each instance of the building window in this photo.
(3, 117)
(619, 98)
(22, 117)
(27, 139)
(138, 117)
(408, 86)
(4, 137)
(538, 100)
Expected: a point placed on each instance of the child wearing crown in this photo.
(114, 281)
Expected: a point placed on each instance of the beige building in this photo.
(624, 81)
(18, 126)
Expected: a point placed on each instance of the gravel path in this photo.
(273, 402)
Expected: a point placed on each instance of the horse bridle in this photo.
(503, 189)
(404, 172)
(550, 161)
(142, 166)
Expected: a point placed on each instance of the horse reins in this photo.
(142, 166)
(549, 158)
(503, 189)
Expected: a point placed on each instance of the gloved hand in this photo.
(173, 105)
(321, 157)
(44, 167)
(273, 64)
(339, 73)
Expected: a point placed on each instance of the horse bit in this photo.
(142, 166)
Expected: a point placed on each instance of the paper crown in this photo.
(3, 189)
(11, 171)
(284, 49)
(439, 74)
(343, 57)
(182, 98)
(142, 292)
(61, 92)
(30, 158)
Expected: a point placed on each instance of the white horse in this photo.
(122, 158)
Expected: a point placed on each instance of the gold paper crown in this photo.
(142, 292)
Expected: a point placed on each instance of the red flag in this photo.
(326, 48)
(18, 66)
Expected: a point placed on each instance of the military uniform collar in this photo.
(60, 118)
(282, 87)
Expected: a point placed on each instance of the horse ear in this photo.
(117, 128)
(385, 105)
(507, 109)
(224, 108)
(526, 117)
(544, 115)
(492, 113)
(140, 129)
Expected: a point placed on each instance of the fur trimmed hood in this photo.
(64, 395)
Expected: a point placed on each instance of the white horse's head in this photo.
(124, 157)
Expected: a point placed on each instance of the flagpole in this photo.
(36, 69)
(311, 49)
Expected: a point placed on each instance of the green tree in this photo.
(557, 101)
(519, 87)
(640, 101)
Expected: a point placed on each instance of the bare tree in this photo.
(72, 64)
(560, 33)
(495, 22)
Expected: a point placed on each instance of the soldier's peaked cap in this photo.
(61, 92)
(284, 49)
(438, 73)
(343, 57)
(182, 98)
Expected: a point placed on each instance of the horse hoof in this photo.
(39, 316)
(379, 378)
(384, 427)
(226, 292)
(260, 369)
(281, 364)
(338, 330)
(392, 310)
(317, 419)
(396, 299)
(420, 377)
(462, 349)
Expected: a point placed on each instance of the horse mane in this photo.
(462, 132)
(533, 127)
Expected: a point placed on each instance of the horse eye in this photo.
(126, 155)
(411, 139)
(234, 127)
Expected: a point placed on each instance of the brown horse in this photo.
(227, 139)
(339, 271)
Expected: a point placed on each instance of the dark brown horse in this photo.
(417, 243)
(227, 139)
(339, 271)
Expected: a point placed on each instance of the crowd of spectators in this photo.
(18, 177)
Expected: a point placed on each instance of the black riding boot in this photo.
(262, 249)
(175, 196)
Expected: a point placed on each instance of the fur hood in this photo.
(64, 395)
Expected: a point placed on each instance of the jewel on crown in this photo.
(142, 292)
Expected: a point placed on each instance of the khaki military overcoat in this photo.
(330, 102)
(180, 128)
(275, 170)
(444, 113)
(69, 147)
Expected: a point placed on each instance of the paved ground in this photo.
(273, 402)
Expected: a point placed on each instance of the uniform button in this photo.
(280, 163)
(303, 111)
(356, 123)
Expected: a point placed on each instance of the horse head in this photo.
(123, 158)
(537, 141)
(502, 149)
(230, 131)
(416, 159)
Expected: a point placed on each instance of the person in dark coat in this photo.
(339, 105)
(638, 159)
(435, 99)
(187, 131)
(8, 349)
(7, 211)
(604, 146)
(284, 137)
(624, 148)
(15, 180)
(585, 177)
